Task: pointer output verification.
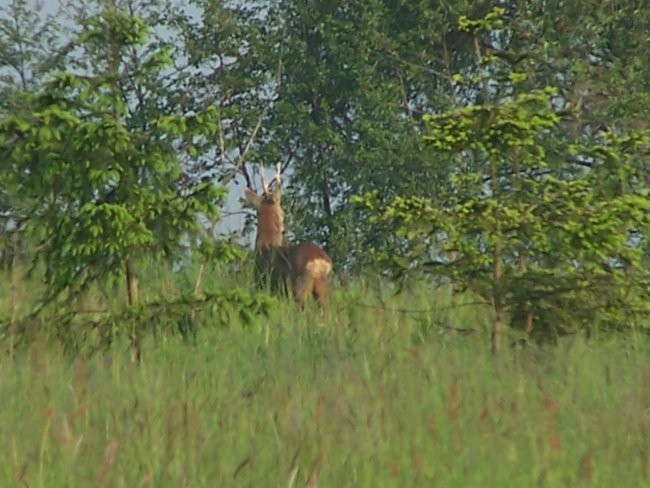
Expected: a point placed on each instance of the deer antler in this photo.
(265, 187)
(277, 179)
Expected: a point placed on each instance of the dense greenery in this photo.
(477, 169)
(370, 397)
(500, 146)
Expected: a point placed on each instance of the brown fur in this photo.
(304, 267)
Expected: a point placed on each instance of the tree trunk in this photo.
(13, 323)
(133, 295)
(497, 288)
(528, 318)
(198, 286)
(528, 322)
(497, 324)
(132, 284)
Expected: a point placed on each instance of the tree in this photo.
(358, 77)
(99, 169)
(30, 46)
(533, 221)
(356, 80)
(335, 92)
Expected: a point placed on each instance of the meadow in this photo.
(382, 390)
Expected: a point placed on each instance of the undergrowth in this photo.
(379, 390)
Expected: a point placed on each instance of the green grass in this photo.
(366, 396)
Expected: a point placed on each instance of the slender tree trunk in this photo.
(497, 291)
(132, 283)
(133, 295)
(497, 288)
(528, 318)
(497, 329)
(528, 322)
(325, 186)
(13, 324)
(497, 324)
(523, 261)
(198, 286)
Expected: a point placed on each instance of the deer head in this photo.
(270, 217)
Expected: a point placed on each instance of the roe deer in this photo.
(305, 267)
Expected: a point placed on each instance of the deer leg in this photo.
(321, 291)
(302, 288)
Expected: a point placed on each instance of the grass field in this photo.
(366, 396)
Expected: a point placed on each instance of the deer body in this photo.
(304, 267)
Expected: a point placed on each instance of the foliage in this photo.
(29, 48)
(102, 185)
(368, 397)
(118, 129)
(348, 112)
(184, 316)
(359, 76)
(522, 225)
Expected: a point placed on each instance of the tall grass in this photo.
(380, 391)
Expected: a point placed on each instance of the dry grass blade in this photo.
(293, 471)
(245, 462)
(293, 476)
(110, 453)
(312, 479)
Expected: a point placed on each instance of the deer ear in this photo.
(253, 198)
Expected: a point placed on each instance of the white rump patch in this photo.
(319, 268)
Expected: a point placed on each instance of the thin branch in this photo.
(239, 165)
